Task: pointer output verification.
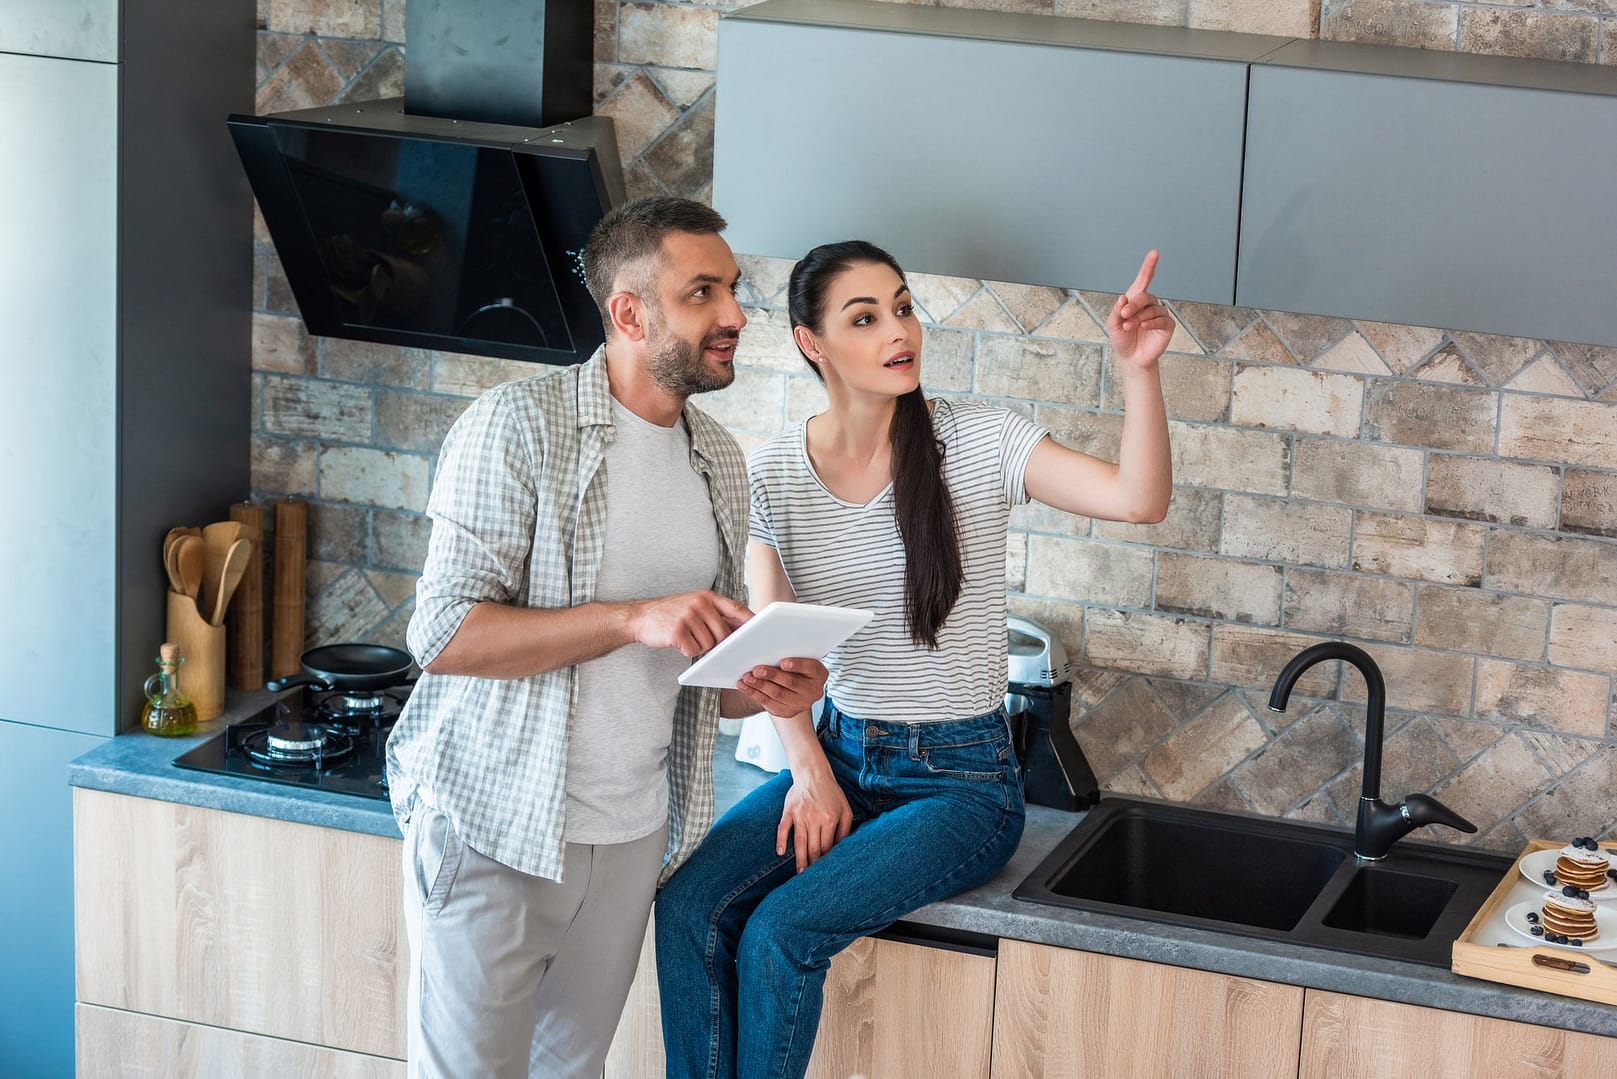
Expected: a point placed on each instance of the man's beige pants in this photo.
(513, 975)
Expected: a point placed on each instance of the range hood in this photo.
(453, 218)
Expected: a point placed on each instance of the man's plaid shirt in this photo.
(518, 509)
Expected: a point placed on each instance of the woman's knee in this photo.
(780, 933)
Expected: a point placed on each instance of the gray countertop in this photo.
(142, 765)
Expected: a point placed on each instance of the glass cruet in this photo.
(168, 711)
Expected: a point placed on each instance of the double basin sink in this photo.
(1263, 877)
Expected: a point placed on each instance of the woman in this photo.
(909, 790)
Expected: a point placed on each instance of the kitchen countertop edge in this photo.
(141, 765)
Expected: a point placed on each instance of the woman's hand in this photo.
(816, 817)
(786, 690)
(1139, 326)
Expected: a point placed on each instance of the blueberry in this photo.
(1577, 942)
(1569, 891)
(1537, 930)
(1532, 916)
(1582, 894)
(1549, 877)
(1556, 938)
(1612, 873)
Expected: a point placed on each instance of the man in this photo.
(548, 768)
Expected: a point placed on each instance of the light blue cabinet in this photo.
(59, 393)
(70, 29)
(125, 366)
(36, 904)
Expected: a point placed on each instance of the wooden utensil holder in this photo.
(202, 676)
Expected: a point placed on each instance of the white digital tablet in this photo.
(774, 633)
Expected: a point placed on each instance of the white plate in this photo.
(1533, 867)
(774, 633)
(1605, 924)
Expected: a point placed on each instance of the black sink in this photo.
(1264, 877)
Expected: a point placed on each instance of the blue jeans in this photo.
(744, 940)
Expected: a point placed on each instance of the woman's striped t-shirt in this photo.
(849, 555)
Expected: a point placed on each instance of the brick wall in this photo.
(1447, 500)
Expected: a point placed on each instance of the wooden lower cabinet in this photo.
(1347, 1037)
(1068, 1014)
(220, 944)
(892, 1011)
(237, 922)
(114, 1044)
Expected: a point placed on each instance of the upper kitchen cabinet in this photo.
(70, 29)
(1436, 189)
(1024, 148)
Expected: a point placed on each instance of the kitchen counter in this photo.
(141, 765)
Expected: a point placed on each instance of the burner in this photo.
(291, 742)
(355, 714)
(301, 746)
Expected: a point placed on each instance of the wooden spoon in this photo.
(171, 544)
(171, 563)
(235, 565)
(192, 557)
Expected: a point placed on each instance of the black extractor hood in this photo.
(453, 218)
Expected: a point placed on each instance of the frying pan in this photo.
(348, 666)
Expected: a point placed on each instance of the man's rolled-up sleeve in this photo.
(482, 511)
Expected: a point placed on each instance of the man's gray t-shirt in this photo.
(660, 541)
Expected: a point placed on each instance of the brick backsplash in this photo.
(1448, 500)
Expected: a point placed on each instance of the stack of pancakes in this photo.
(1582, 868)
(1569, 915)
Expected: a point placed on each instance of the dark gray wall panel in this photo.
(75, 29)
(1435, 203)
(1000, 159)
(185, 290)
(58, 392)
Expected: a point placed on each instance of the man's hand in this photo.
(692, 622)
(815, 818)
(786, 690)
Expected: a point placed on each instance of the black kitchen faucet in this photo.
(1379, 825)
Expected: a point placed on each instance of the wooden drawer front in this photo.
(120, 1045)
(897, 1011)
(1069, 1014)
(1345, 1037)
(235, 921)
(905, 1011)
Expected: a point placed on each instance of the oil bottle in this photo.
(168, 712)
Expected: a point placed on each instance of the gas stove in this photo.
(320, 740)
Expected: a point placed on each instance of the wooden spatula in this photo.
(236, 560)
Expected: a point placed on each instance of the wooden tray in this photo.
(1477, 952)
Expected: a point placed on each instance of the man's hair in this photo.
(630, 239)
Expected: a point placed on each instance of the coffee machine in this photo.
(1038, 700)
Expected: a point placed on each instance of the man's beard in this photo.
(678, 368)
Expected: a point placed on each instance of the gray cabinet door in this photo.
(58, 393)
(75, 29)
(967, 155)
(1431, 202)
